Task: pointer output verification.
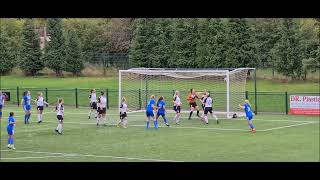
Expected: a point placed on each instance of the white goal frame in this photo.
(153, 71)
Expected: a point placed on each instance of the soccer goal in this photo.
(227, 87)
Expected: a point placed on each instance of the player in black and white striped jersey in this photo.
(93, 103)
(40, 103)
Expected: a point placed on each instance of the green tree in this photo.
(139, 50)
(55, 48)
(266, 37)
(94, 35)
(312, 64)
(158, 42)
(241, 50)
(217, 43)
(6, 56)
(202, 47)
(30, 54)
(184, 43)
(74, 61)
(13, 28)
(287, 51)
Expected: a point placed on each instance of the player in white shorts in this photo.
(123, 113)
(40, 103)
(102, 104)
(93, 103)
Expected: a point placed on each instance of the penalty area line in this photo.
(282, 127)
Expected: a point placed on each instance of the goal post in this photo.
(227, 87)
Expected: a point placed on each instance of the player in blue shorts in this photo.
(249, 114)
(10, 130)
(161, 105)
(26, 102)
(150, 112)
(2, 98)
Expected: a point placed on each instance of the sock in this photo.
(98, 119)
(178, 118)
(39, 117)
(25, 118)
(206, 119)
(190, 114)
(165, 120)
(215, 117)
(251, 126)
(89, 114)
(148, 124)
(155, 123)
(197, 112)
(28, 117)
(12, 141)
(9, 140)
(175, 118)
(59, 128)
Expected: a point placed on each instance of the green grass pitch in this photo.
(278, 138)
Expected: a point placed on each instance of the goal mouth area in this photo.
(222, 113)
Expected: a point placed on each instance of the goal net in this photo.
(226, 87)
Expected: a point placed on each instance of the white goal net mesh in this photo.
(137, 85)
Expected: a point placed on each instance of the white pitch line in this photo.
(286, 126)
(34, 157)
(96, 156)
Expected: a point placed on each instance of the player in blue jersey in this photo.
(161, 106)
(150, 108)
(26, 102)
(2, 98)
(10, 130)
(249, 114)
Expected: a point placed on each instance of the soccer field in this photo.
(278, 138)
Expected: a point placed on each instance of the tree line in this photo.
(72, 42)
(288, 46)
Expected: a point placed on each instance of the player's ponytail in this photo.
(160, 98)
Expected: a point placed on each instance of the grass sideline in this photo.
(278, 138)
